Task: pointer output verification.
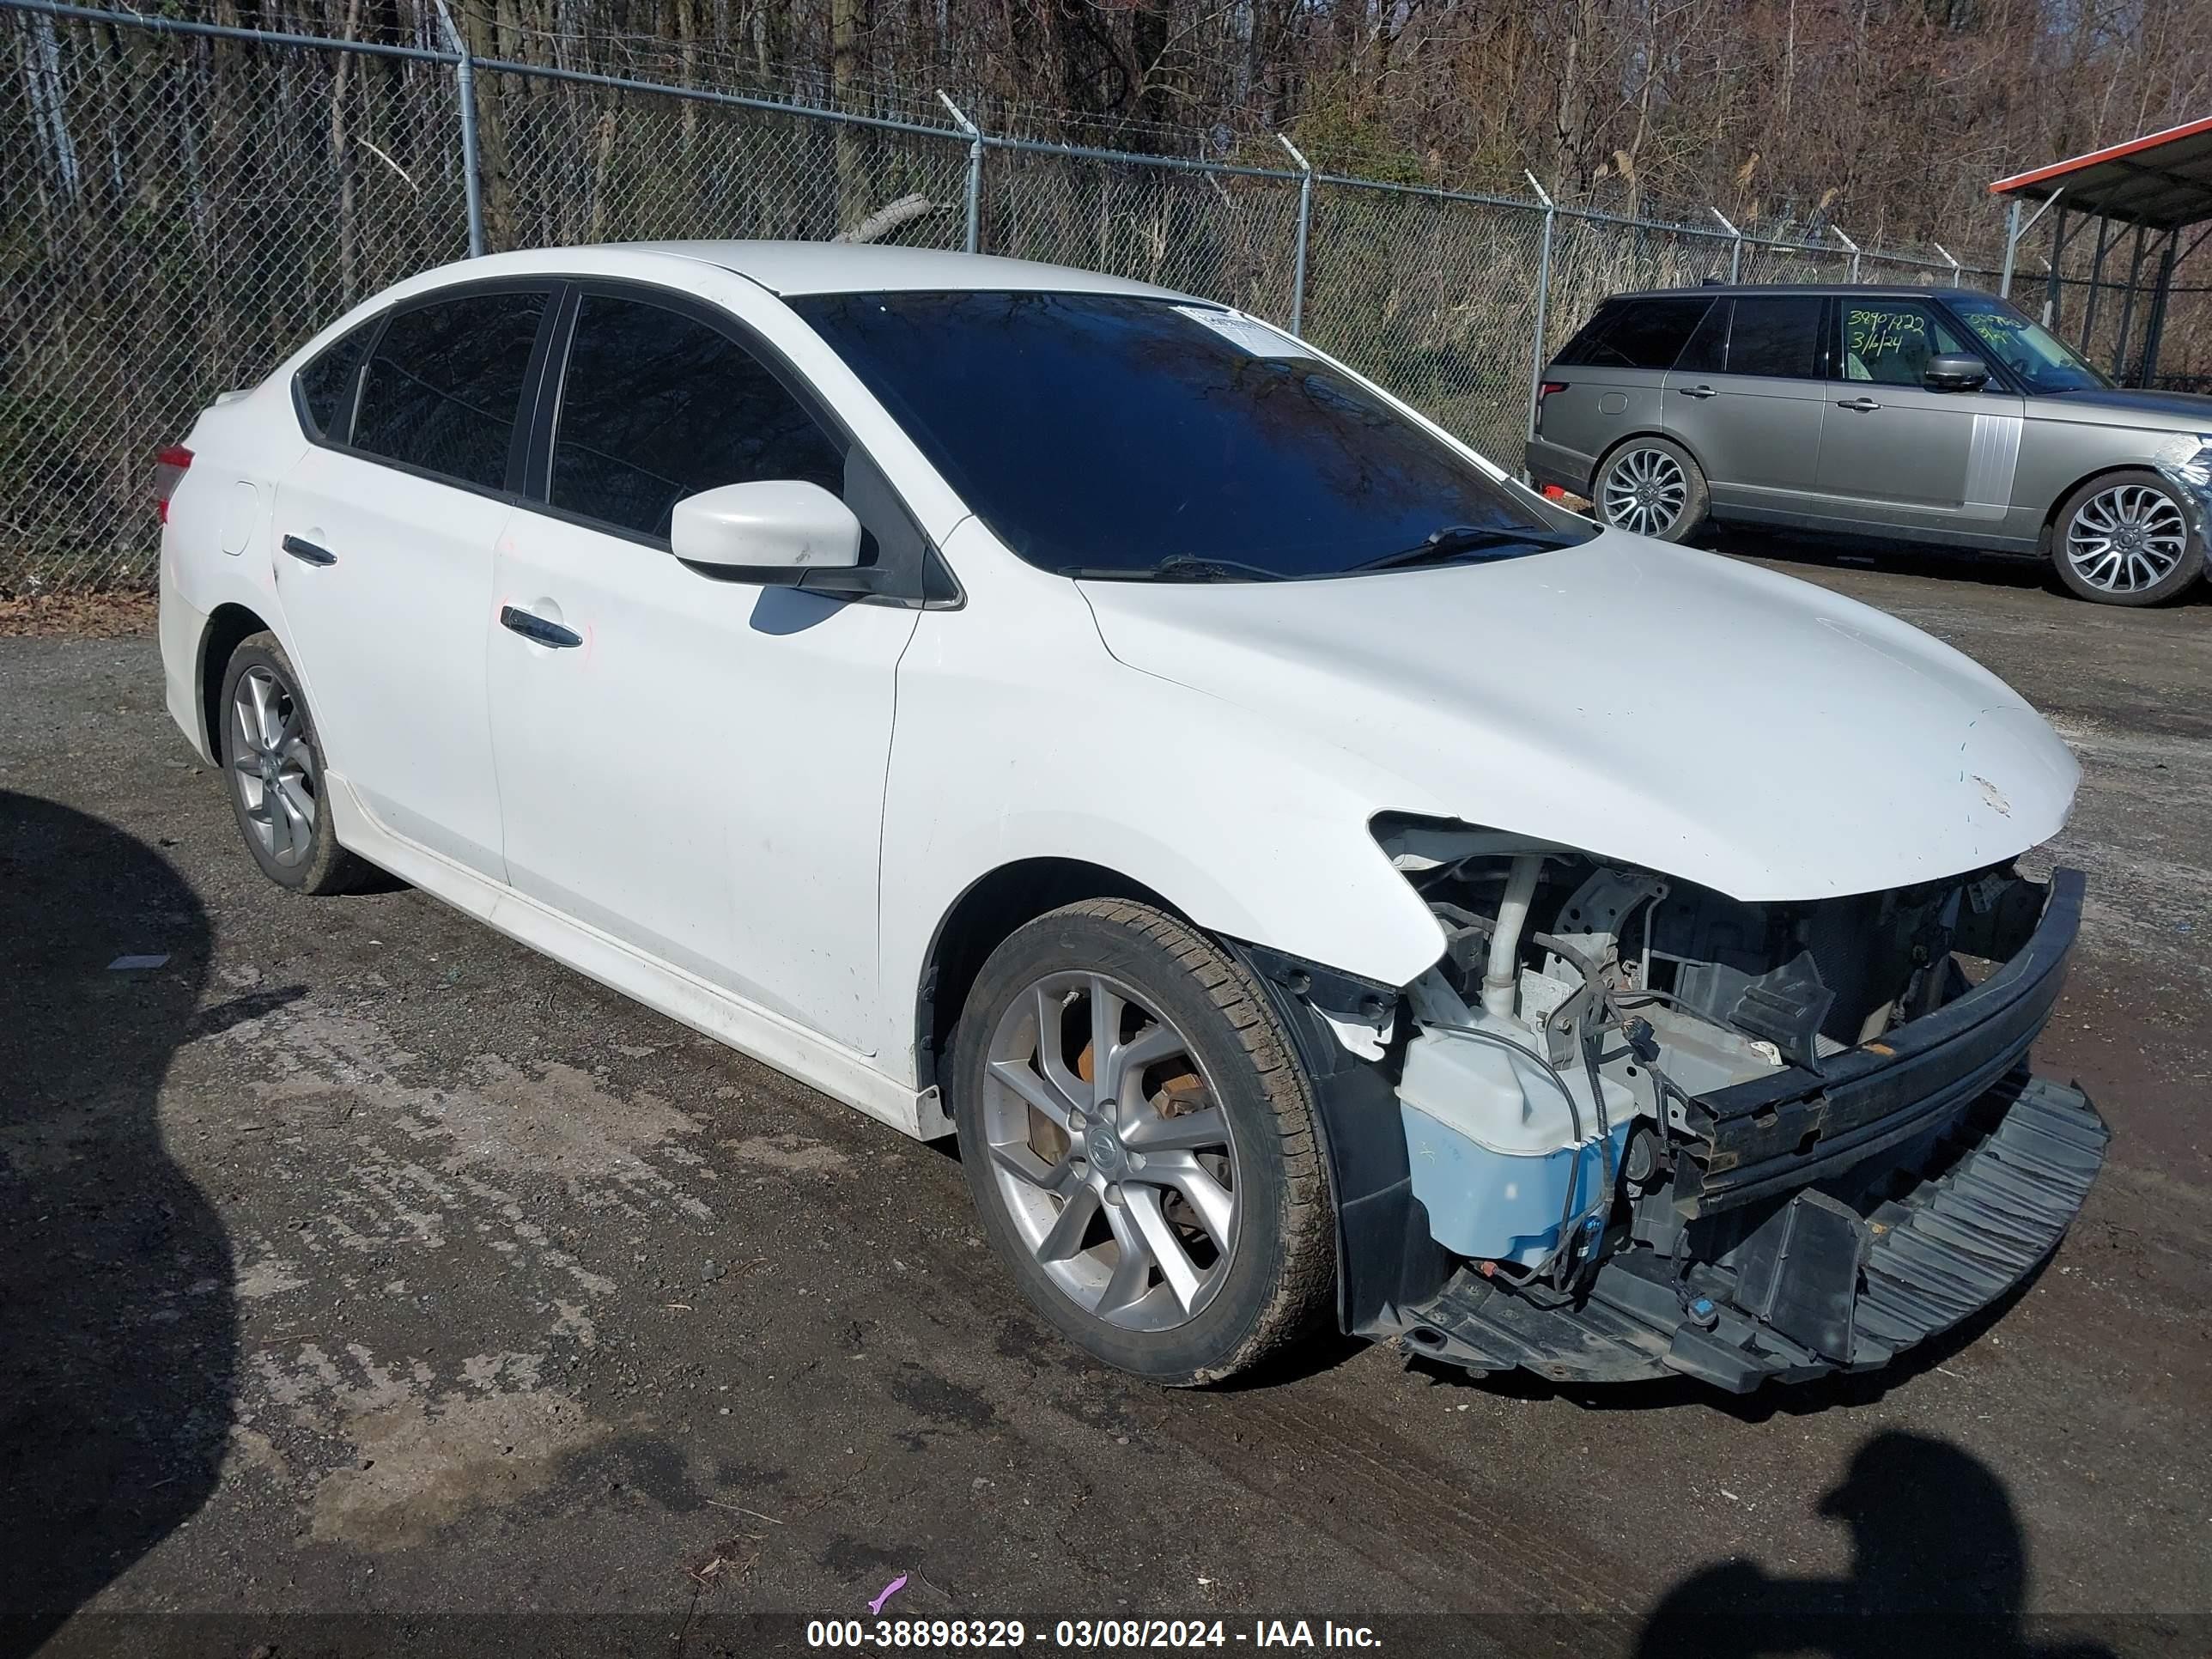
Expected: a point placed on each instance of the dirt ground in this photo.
(370, 1285)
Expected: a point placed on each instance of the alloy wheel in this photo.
(1110, 1151)
(2126, 538)
(1644, 492)
(273, 767)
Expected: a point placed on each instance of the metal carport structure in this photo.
(2159, 187)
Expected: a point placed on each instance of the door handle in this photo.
(307, 553)
(1695, 391)
(1857, 405)
(532, 626)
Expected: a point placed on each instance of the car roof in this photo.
(1810, 290)
(795, 268)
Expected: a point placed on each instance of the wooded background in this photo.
(179, 210)
(1886, 116)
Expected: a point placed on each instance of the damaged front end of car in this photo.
(1627, 1127)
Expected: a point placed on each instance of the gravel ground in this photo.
(373, 1284)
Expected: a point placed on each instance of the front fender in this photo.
(1248, 831)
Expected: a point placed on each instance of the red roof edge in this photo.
(2111, 153)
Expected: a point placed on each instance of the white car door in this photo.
(691, 764)
(383, 552)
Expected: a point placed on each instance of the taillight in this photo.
(169, 467)
(1544, 389)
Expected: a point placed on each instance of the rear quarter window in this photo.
(323, 390)
(1636, 334)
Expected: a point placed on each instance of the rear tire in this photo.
(273, 767)
(1194, 1140)
(1650, 487)
(2125, 539)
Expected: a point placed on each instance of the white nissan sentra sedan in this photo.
(1313, 876)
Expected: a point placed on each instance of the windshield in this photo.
(1117, 435)
(2043, 361)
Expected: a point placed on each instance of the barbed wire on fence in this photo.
(181, 204)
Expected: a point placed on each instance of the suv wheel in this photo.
(2125, 539)
(1651, 488)
(1140, 1142)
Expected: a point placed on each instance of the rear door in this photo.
(383, 554)
(1745, 398)
(1895, 455)
(1605, 383)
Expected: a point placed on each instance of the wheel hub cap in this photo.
(1106, 1156)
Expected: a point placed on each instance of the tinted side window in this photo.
(1586, 338)
(326, 384)
(1640, 333)
(1777, 336)
(442, 391)
(1707, 350)
(657, 405)
(1889, 342)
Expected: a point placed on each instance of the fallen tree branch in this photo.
(885, 220)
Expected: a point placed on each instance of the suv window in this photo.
(1636, 334)
(441, 392)
(1707, 351)
(1775, 335)
(326, 384)
(2030, 350)
(657, 405)
(1889, 342)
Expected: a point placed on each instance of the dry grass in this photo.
(78, 616)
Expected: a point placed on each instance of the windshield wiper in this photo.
(1182, 567)
(1455, 540)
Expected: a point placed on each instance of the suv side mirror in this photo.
(1944, 374)
(773, 530)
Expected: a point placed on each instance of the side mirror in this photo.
(774, 532)
(1955, 374)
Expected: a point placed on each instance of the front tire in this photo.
(1650, 487)
(273, 766)
(1139, 1140)
(2125, 539)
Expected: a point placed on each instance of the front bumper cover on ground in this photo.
(1950, 1244)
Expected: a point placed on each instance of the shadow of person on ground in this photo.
(118, 1333)
(1939, 1565)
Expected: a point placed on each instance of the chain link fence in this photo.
(1226, 233)
(182, 203)
(1434, 296)
(177, 210)
(571, 158)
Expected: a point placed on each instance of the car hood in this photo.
(1650, 704)
(2174, 409)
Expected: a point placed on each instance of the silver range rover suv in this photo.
(1917, 415)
